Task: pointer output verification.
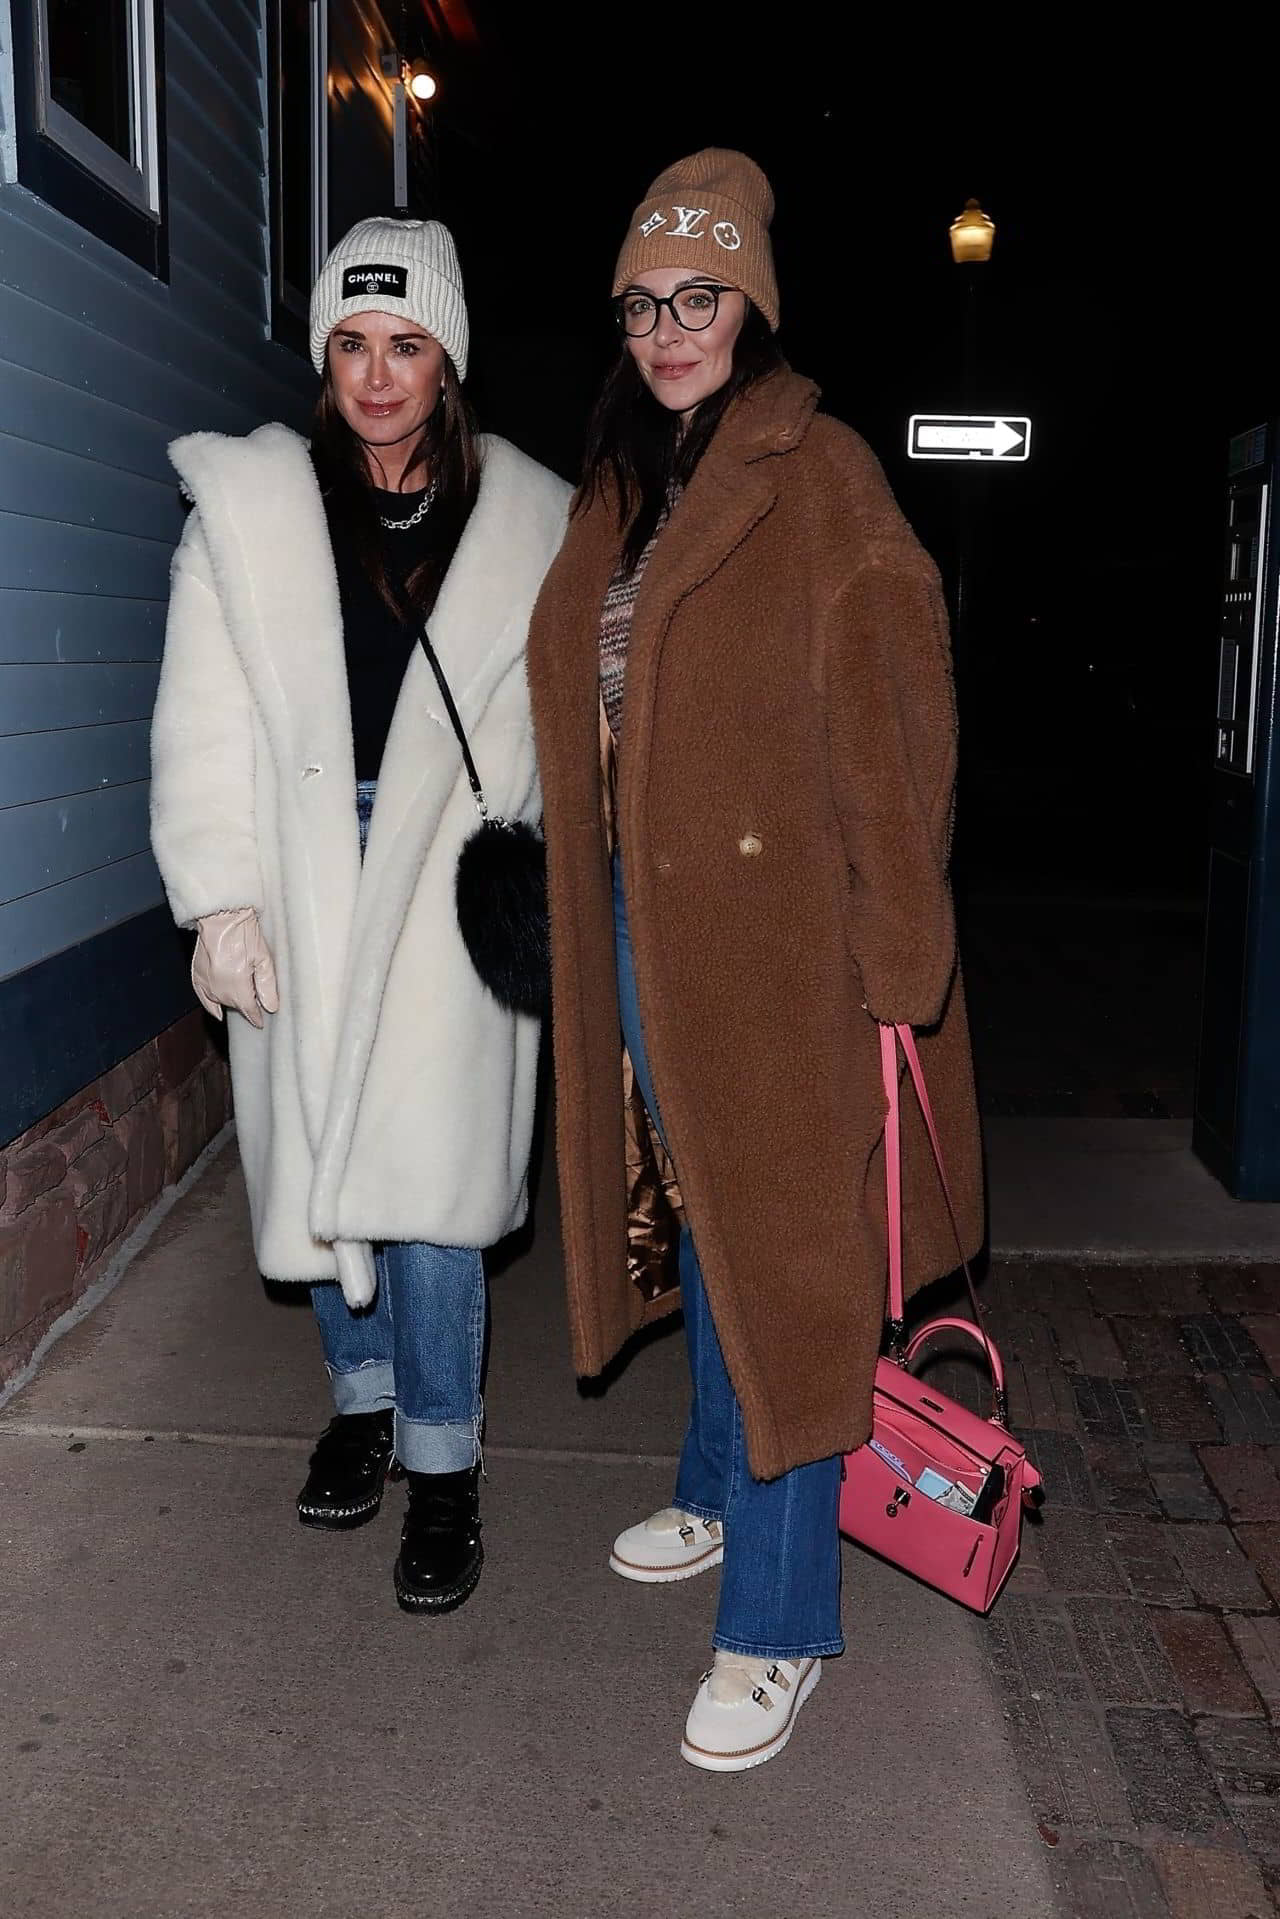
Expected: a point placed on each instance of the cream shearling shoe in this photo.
(744, 1710)
(669, 1545)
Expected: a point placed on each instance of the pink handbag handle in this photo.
(891, 1037)
(989, 1348)
(1030, 1482)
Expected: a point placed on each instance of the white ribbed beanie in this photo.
(393, 266)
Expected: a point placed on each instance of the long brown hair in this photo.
(447, 445)
(636, 442)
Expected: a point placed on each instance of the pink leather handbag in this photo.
(937, 1490)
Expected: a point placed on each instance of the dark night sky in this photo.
(1119, 311)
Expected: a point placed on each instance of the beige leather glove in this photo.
(232, 966)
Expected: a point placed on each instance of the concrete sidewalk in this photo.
(1115, 1189)
(210, 1711)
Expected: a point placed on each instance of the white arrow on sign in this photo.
(966, 436)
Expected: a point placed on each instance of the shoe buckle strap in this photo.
(776, 1677)
(762, 1698)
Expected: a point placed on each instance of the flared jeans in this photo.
(780, 1580)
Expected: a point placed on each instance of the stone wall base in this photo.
(78, 1182)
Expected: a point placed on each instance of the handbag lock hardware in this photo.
(900, 1498)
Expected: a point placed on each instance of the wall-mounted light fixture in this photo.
(410, 79)
(422, 82)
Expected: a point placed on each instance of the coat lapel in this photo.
(564, 660)
(478, 631)
(481, 613)
(264, 523)
(732, 490)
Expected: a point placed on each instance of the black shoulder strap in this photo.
(412, 619)
(424, 641)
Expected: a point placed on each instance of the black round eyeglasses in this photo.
(692, 307)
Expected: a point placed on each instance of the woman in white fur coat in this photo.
(384, 1099)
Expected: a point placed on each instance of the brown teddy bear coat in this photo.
(783, 807)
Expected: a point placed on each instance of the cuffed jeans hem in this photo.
(450, 1448)
(825, 1649)
(697, 1511)
(370, 1388)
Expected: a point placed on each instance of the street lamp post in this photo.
(972, 235)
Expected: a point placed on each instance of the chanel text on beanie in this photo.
(393, 266)
(709, 213)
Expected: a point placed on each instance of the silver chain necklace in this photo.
(417, 516)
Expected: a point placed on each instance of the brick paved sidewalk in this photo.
(1137, 1647)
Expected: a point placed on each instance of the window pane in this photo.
(90, 67)
(295, 142)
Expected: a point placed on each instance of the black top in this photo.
(378, 645)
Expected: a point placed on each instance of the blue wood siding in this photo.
(44, 766)
(100, 366)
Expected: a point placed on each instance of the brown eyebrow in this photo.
(354, 333)
(697, 280)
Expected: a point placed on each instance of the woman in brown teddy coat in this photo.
(741, 690)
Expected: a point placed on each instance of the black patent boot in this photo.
(348, 1470)
(440, 1550)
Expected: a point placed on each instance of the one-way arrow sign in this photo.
(968, 436)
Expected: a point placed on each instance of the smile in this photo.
(676, 371)
(379, 409)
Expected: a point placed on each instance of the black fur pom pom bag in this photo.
(502, 912)
(501, 891)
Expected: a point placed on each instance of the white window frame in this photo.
(319, 136)
(135, 181)
(290, 304)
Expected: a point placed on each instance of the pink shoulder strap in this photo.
(891, 1037)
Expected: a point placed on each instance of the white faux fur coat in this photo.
(391, 1097)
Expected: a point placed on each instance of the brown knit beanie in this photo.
(709, 213)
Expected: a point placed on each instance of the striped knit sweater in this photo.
(615, 625)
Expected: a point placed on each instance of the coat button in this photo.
(749, 844)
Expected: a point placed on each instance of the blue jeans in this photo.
(780, 1582)
(420, 1347)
